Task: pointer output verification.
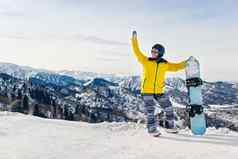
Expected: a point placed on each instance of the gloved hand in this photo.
(134, 34)
(190, 58)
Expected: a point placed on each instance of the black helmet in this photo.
(160, 49)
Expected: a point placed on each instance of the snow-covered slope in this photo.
(29, 137)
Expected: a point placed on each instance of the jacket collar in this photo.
(159, 60)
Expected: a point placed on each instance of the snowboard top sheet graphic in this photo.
(193, 68)
(195, 108)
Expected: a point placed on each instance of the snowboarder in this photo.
(152, 84)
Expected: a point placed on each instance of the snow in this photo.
(222, 106)
(177, 105)
(29, 137)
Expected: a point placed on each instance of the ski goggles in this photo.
(154, 51)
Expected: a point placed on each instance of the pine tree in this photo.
(26, 104)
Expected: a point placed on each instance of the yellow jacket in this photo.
(152, 79)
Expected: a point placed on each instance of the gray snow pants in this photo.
(150, 101)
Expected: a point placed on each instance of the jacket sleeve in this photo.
(173, 67)
(136, 50)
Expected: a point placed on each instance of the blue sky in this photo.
(94, 35)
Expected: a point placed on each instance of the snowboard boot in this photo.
(171, 127)
(155, 133)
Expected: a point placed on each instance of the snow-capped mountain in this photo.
(99, 82)
(218, 93)
(131, 83)
(95, 99)
(22, 72)
(25, 72)
(80, 75)
(56, 79)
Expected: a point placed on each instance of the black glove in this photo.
(134, 34)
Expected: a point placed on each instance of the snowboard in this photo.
(195, 105)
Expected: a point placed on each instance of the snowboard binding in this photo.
(194, 109)
(194, 82)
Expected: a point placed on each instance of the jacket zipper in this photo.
(155, 76)
(143, 84)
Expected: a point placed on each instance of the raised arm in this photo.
(173, 67)
(136, 50)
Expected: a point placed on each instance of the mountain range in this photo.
(93, 97)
